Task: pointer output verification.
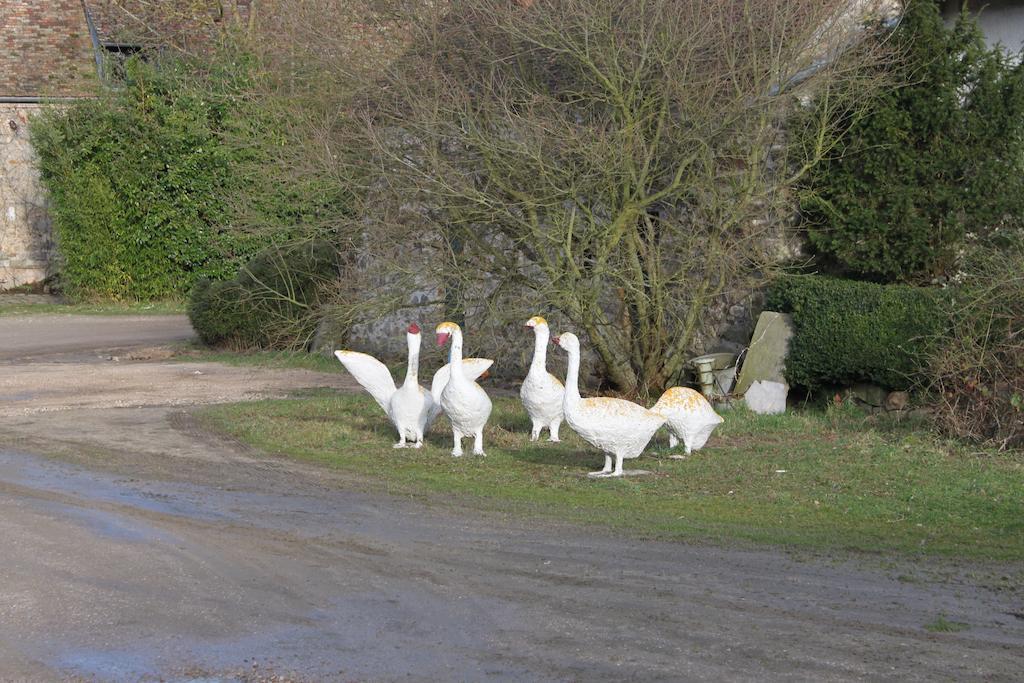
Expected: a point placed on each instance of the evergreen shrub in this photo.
(167, 178)
(936, 157)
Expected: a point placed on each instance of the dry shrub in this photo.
(188, 26)
(978, 370)
(622, 164)
(273, 303)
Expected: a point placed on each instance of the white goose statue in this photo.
(411, 408)
(464, 401)
(689, 417)
(541, 392)
(620, 428)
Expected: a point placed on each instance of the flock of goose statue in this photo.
(620, 429)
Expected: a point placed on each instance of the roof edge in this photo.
(95, 38)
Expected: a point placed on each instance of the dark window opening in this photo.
(115, 55)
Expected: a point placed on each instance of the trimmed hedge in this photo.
(848, 332)
(273, 303)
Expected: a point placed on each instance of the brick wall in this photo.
(45, 49)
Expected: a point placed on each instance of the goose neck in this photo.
(413, 368)
(540, 349)
(455, 358)
(572, 377)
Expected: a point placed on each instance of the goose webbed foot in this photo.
(618, 466)
(606, 472)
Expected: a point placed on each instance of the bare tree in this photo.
(625, 162)
(181, 25)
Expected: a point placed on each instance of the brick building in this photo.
(46, 53)
(53, 52)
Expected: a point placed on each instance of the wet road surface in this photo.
(118, 577)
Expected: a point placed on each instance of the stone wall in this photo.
(26, 238)
(494, 327)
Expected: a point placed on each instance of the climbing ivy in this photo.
(152, 183)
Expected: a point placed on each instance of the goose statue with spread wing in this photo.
(412, 408)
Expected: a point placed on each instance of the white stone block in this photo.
(767, 398)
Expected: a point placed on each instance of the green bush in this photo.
(220, 313)
(88, 234)
(272, 303)
(935, 158)
(165, 180)
(848, 332)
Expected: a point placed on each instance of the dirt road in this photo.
(135, 546)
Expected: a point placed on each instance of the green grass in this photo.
(11, 306)
(264, 359)
(303, 360)
(817, 480)
(943, 625)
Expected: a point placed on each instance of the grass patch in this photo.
(819, 480)
(11, 306)
(264, 359)
(943, 625)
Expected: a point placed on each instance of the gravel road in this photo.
(137, 547)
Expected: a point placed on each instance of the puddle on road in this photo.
(50, 475)
(301, 513)
(364, 636)
(21, 396)
(313, 623)
(108, 525)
